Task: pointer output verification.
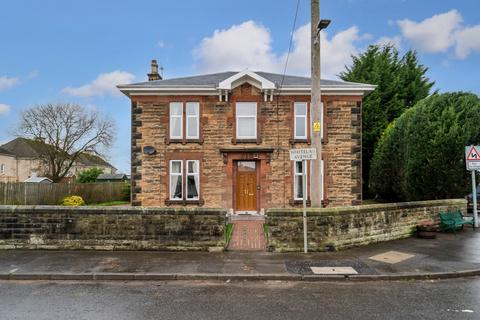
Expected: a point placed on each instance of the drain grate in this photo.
(339, 266)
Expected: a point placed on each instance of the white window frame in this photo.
(309, 167)
(297, 174)
(295, 116)
(254, 116)
(194, 117)
(197, 174)
(170, 174)
(176, 116)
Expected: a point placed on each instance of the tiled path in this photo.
(247, 235)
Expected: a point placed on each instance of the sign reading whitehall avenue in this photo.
(472, 157)
(303, 154)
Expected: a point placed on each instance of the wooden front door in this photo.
(246, 186)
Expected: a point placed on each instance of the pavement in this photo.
(448, 256)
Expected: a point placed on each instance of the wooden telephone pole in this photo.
(316, 183)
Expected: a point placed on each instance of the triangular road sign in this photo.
(473, 154)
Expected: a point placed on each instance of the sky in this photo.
(77, 51)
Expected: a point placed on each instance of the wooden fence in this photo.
(17, 193)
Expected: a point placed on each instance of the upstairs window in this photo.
(184, 115)
(246, 120)
(300, 121)
(2, 168)
(176, 120)
(192, 120)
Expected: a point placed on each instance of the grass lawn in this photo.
(109, 204)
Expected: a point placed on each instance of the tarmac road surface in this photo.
(443, 299)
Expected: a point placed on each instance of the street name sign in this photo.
(303, 154)
(472, 157)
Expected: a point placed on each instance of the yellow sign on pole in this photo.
(317, 127)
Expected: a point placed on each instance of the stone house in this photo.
(222, 140)
(21, 159)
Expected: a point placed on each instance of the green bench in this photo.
(454, 220)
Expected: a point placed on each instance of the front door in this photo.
(246, 186)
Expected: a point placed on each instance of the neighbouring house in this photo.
(22, 159)
(222, 140)
(8, 166)
(118, 177)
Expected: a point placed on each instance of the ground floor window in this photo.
(298, 180)
(298, 171)
(184, 183)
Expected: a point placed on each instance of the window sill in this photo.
(300, 202)
(237, 141)
(293, 141)
(181, 141)
(199, 202)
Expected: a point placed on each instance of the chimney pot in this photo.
(154, 75)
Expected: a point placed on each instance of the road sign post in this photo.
(472, 160)
(304, 155)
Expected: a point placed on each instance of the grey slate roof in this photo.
(212, 81)
(6, 152)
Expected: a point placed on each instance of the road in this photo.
(445, 299)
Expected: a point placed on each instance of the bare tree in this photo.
(67, 130)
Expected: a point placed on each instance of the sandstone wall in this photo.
(339, 228)
(111, 228)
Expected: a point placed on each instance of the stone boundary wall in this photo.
(344, 227)
(111, 228)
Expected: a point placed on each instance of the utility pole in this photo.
(316, 183)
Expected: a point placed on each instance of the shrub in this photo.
(89, 175)
(73, 201)
(421, 155)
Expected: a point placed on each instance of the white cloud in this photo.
(467, 41)
(249, 45)
(104, 84)
(6, 82)
(441, 32)
(161, 44)
(434, 34)
(395, 41)
(4, 108)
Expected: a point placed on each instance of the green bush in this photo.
(89, 175)
(421, 155)
(73, 201)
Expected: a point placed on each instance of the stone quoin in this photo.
(222, 140)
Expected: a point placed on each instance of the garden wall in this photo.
(343, 227)
(111, 228)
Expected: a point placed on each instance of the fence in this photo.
(18, 193)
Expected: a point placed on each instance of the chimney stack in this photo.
(154, 75)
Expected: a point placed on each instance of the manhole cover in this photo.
(392, 257)
(333, 270)
(341, 266)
